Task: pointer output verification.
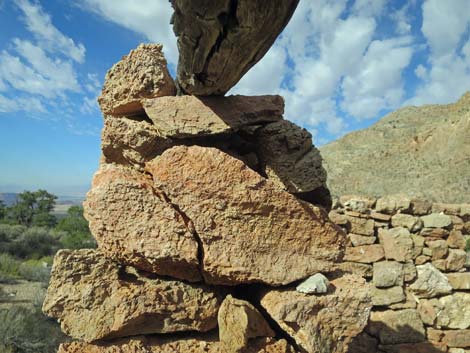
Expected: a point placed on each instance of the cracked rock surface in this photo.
(249, 229)
(95, 298)
(219, 41)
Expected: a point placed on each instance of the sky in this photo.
(340, 64)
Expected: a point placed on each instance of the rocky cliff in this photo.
(423, 152)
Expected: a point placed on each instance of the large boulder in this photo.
(190, 116)
(249, 229)
(322, 323)
(219, 41)
(152, 344)
(136, 225)
(94, 298)
(141, 74)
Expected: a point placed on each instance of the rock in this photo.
(363, 270)
(215, 54)
(189, 116)
(358, 240)
(387, 296)
(438, 248)
(457, 338)
(239, 321)
(454, 311)
(436, 220)
(456, 260)
(430, 282)
(94, 298)
(434, 233)
(391, 203)
(151, 234)
(456, 240)
(428, 311)
(422, 347)
(412, 223)
(459, 281)
(365, 254)
(418, 245)
(422, 259)
(362, 226)
(339, 315)
(420, 207)
(382, 217)
(447, 208)
(288, 157)
(141, 74)
(465, 211)
(357, 203)
(338, 218)
(131, 142)
(395, 327)
(317, 283)
(363, 343)
(387, 274)
(409, 271)
(397, 244)
(249, 230)
(155, 344)
(410, 302)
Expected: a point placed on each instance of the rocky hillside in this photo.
(422, 151)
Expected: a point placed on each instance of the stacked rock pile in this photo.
(416, 255)
(208, 213)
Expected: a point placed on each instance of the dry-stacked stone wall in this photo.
(416, 255)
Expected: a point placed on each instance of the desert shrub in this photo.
(24, 330)
(78, 240)
(8, 234)
(35, 270)
(467, 246)
(9, 267)
(34, 243)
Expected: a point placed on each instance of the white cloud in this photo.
(150, 18)
(403, 18)
(30, 105)
(48, 36)
(369, 7)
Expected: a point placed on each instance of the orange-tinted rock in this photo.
(94, 298)
(135, 224)
(365, 254)
(249, 229)
(322, 323)
(143, 73)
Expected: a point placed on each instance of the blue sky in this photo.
(340, 64)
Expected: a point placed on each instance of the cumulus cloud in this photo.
(150, 18)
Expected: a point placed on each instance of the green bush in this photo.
(34, 243)
(35, 270)
(9, 268)
(26, 330)
(467, 246)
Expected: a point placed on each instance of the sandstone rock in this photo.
(412, 223)
(135, 224)
(465, 211)
(338, 218)
(357, 203)
(339, 315)
(422, 259)
(420, 207)
(249, 229)
(387, 296)
(454, 311)
(430, 282)
(362, 226)
(397, 244)
(410, 302)
(447, 208)
(239, 321)
(387, 274)
(428, 310)
(418, 245)
(457, 338)
(459, 281)
(409, 271)
(436, 220)
(360, 269)
(215, 54)
(94, 298)
(439, 248)
(317, 283)
(288, 157)
(363, 343)
(358, 240)
(189, 116)
(131, 142)
(436, 233)
(422, 347)
(141, 74)
(456, 260)
(365, 254)
(391, 203)
(456, 240)
(380, 216)
(153, 344)
(395, 327)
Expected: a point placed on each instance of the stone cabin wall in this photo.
(416, 256)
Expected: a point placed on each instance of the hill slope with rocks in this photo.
(423, 152)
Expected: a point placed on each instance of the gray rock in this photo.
(219, 41)
(387, 274)
(436, 220)
(317, 283)
(412, 223)
(454, 313)
(387, 296)
(430, 282)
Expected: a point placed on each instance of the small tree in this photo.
(77, 233)
(34, 208)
